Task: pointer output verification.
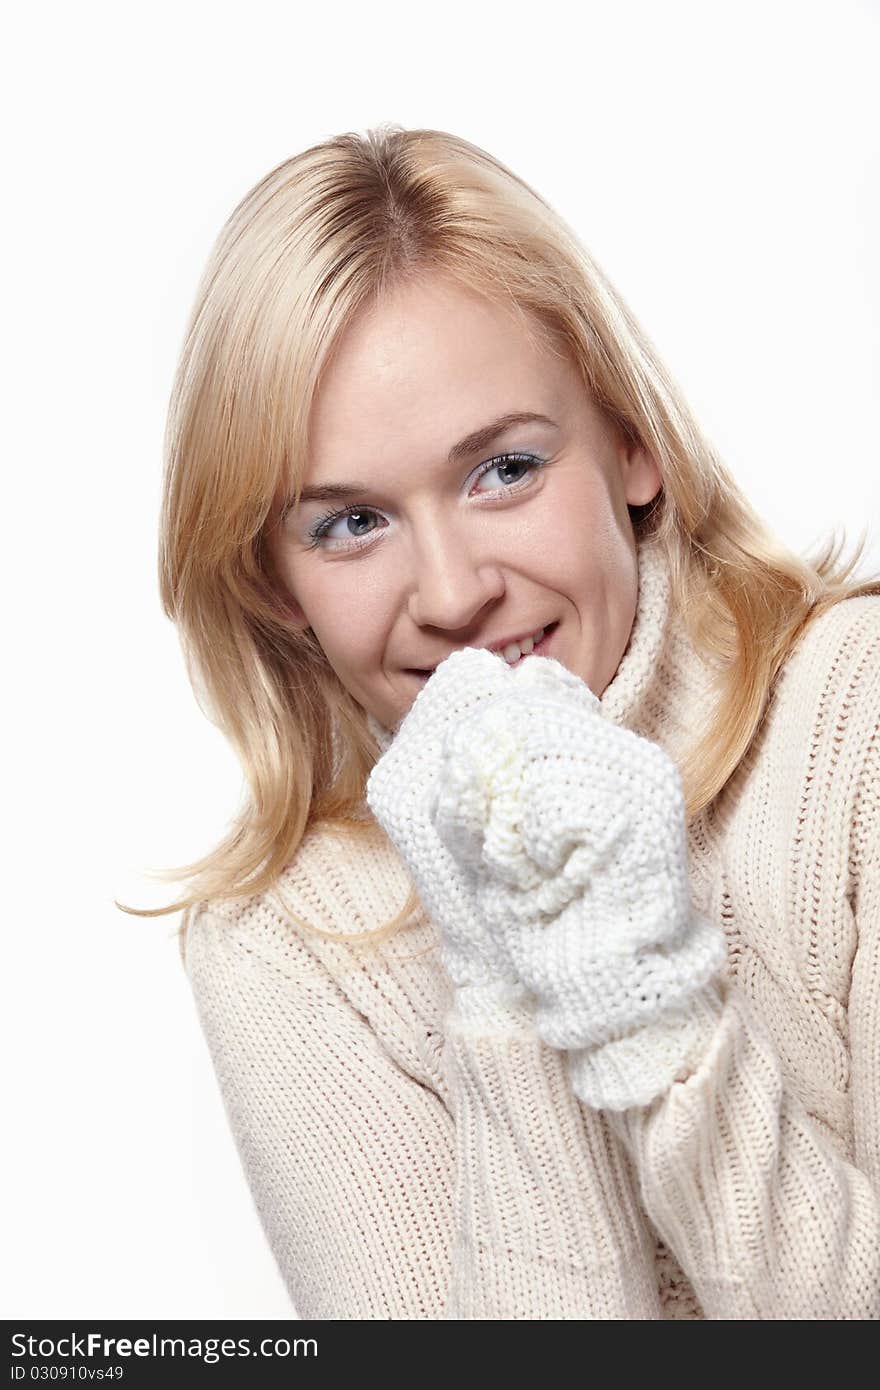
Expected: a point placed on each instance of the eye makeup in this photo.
(319, 529)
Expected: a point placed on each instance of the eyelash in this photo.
(318, 530)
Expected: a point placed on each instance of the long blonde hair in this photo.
(321, 236)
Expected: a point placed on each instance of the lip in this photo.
(497, 647)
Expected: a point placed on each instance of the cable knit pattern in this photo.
(400, 791)
(416, 1150)
(567, 837)
(577, 828)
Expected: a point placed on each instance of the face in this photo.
(444, 528)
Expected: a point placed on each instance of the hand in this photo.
(400, 790)
(575, 832)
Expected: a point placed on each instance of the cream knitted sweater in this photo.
(412, 1158)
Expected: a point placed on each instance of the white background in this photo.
(720, 161)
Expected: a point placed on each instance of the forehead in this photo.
(433, 359)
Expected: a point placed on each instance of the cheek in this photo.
(580, 562)
(352, 635)
(613, 615)
(344, 614)
(348, 641)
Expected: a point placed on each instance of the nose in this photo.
(451, 582)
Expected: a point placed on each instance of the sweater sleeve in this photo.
(767, 1217)
(546, 1220)
(382, 1201)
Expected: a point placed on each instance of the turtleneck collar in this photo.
(662, 688)
(625, 695)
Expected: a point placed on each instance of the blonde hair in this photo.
(323, 235)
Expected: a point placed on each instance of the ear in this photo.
(640, 474)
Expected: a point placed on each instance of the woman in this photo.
(616, 1054)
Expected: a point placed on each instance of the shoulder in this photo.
(228, 942)
(832, 676)
(824, 724)
(253, 974)
(290, 962)
(346, 879)
(226, 935)
(343, 880)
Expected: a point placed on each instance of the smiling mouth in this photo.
(423, 675)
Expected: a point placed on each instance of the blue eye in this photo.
(506, 461)
(319, 531)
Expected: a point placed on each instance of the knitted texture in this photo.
(577, 830)
(399, 793)
(570, 833)
(416, 1150)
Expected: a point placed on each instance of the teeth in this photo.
(511, 653)
(515, 650)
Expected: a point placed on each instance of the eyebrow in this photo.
(471, 444)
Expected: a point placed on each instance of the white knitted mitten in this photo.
(400, 791)
(574, 830)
